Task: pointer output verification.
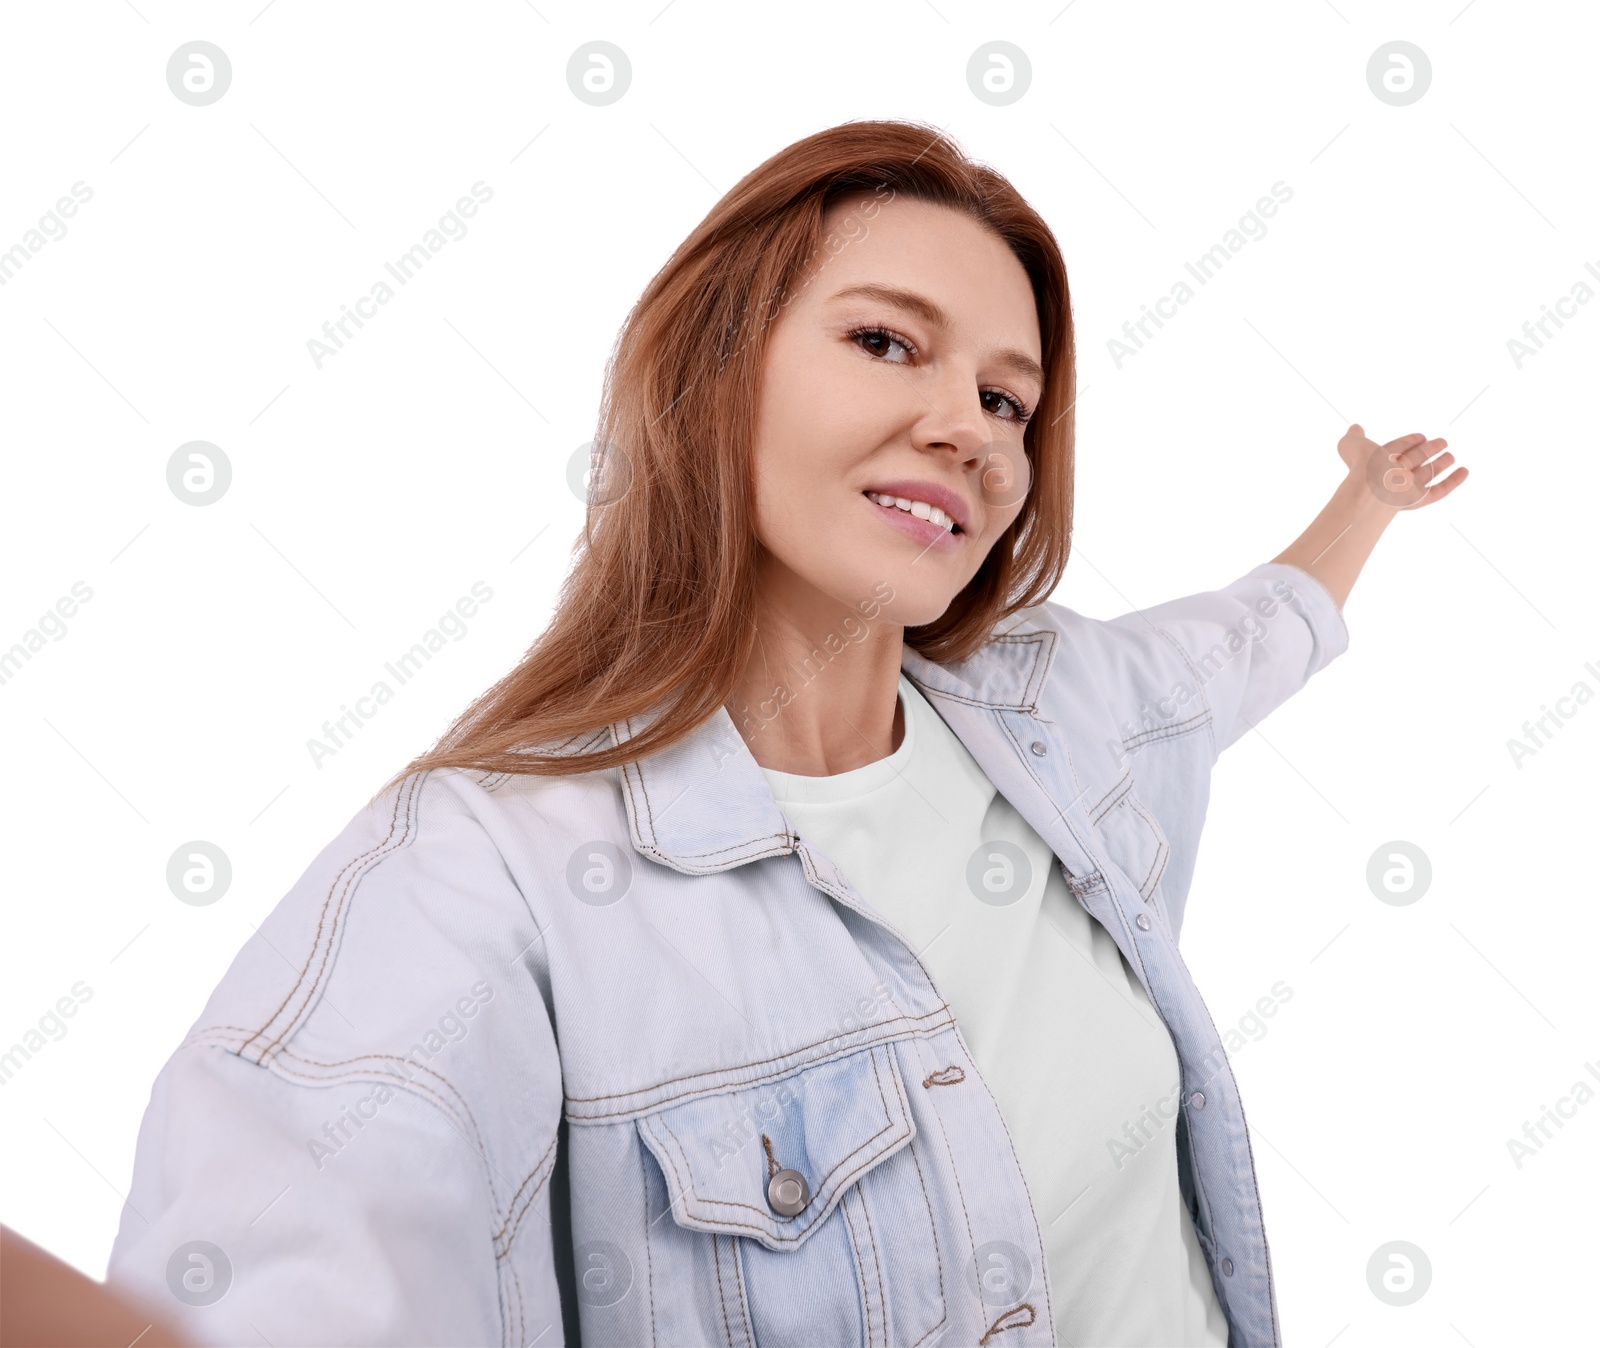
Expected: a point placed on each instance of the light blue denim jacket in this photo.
(618, 1058)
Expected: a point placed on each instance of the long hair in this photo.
(654, 615)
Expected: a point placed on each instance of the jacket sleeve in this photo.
(1235, 654)
(355, 1143)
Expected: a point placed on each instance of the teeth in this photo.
(921, 509)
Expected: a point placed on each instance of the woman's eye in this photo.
(877, 341)
(1019, 413)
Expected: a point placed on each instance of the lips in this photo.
(947, 499)
(926, 534)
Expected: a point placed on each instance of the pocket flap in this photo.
(831, 1122)
(1132, 836)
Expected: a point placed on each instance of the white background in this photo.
(431, 453)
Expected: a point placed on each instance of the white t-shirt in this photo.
(1080, 1063)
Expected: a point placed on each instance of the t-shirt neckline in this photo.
(857, 782)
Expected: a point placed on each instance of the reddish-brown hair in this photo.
(655, 613)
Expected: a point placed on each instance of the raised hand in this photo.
(1403, 474)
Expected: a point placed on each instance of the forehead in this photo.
(942, 253)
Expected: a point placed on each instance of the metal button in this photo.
(788, 1193)
(1038, 748)
(1142, 922)
(1227, 1268)
(1198, 1099)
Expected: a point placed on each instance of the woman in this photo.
(785, 952)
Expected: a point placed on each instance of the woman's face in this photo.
(906, 368)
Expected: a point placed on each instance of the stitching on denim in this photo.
(649, 1271)
(1260, 1218)
(373, 852)
(1158, 866)
(822, 1184)
(1111, 799)
(1186, 726)
(744, 1292)
(632, 771)
(1032, 1211)
(954, 1169)
(877, 1256)
(938, 1259)
(942, 1011)
(210, 1036)
(722, 1294)
(1000, 1326)
(522, 1310)
(847, 1213)
(1067, 824)
(1045, 639)
(378, 1076)
(1199, 684)
(527, 1204)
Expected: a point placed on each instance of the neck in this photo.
(819, 694)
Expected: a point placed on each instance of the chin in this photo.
(916, 610)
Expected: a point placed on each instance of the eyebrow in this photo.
(931, 313)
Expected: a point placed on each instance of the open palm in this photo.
(1405, 473)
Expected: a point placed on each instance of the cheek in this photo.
(807, 443)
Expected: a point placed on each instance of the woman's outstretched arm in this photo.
(1336, 545)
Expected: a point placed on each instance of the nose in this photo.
(953, 420)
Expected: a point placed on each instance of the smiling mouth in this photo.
(920, 509)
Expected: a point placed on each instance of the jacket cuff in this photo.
(1330, 636)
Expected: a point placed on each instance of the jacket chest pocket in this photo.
(1132, 837)
(798, 1213)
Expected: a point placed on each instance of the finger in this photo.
(1440, 490)
(1427, 472)
(1419, 452)
(1405, 442)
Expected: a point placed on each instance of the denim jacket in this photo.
(617, 1058)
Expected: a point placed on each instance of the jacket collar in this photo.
(704, 805)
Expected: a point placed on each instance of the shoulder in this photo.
(417, 909)
(1103, 668)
